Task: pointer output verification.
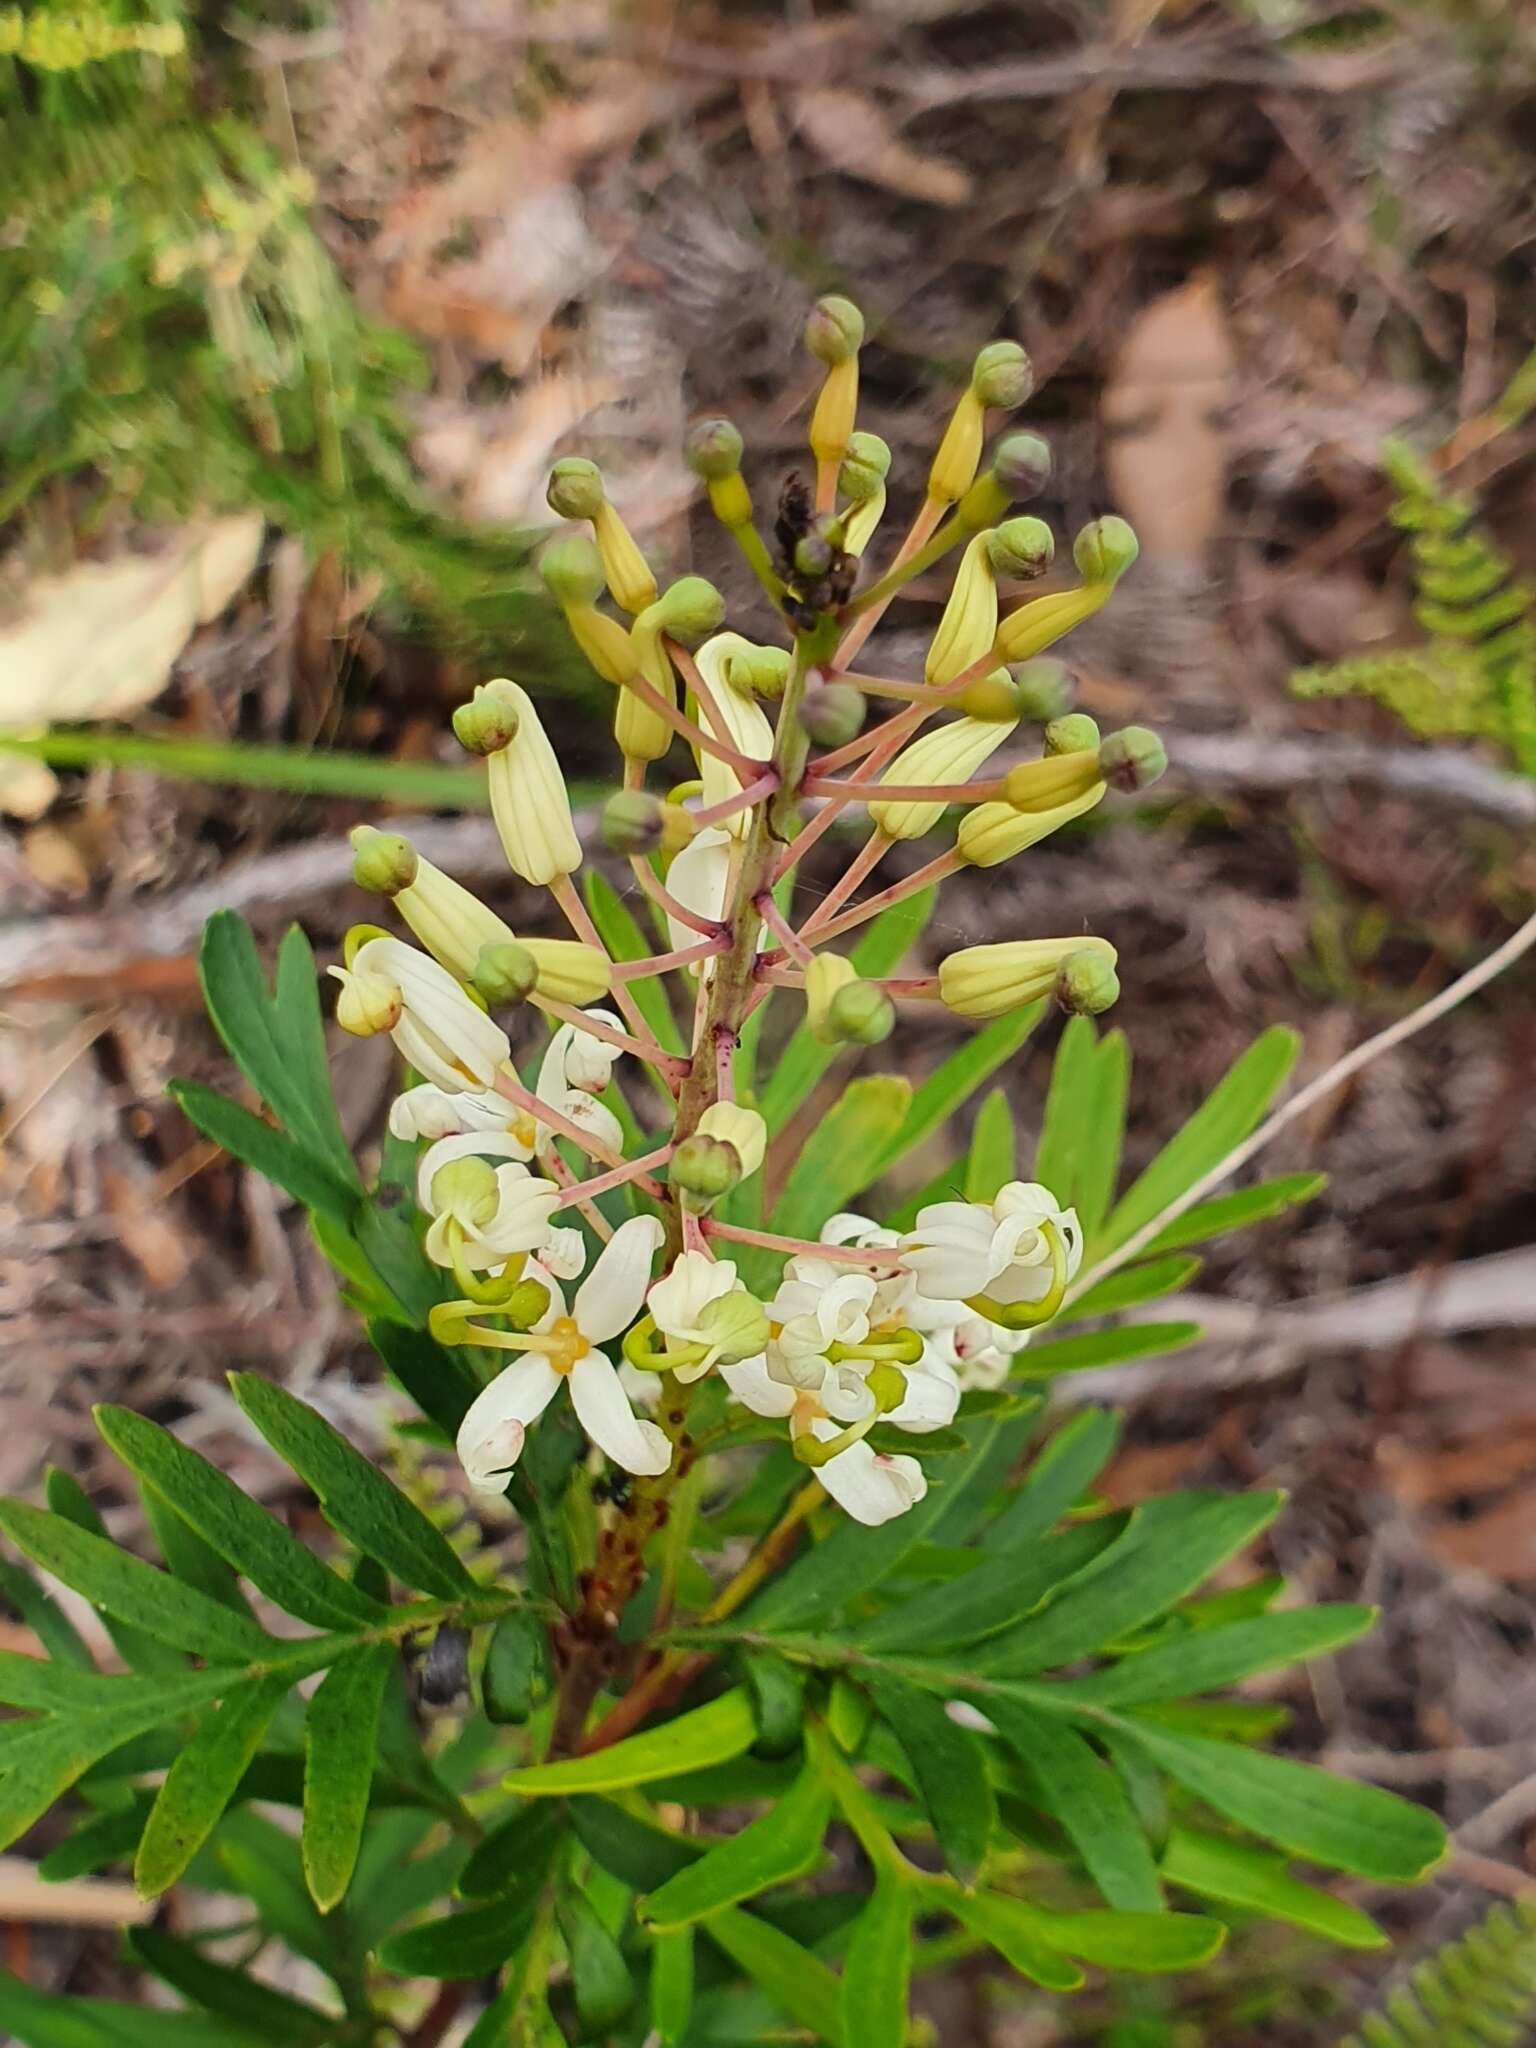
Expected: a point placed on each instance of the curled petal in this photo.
(491, 1436)
(677, 1301)
(751, 1385)
(603, 1410)
(930, 1402)
(871, 1488)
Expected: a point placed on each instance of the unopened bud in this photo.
(678, 827)
(758, 671)
(736, 1324)
(714, 449)
(1104, 550)
(505, 974)
(688, 610)
(1039, 786)
(704, 1169)
(865, 467)
(826, 974)
(369, 1004)
(632, 822)
(816, 551)
(861, 1013)
(572, 570)
(832, 714)
(988, 981)
(994, 699)
(569, 971)
(1132, 759)
(739, 1126)
(1046, 688)
(383, 862)
(575, 488)
(625, 569)
(834, 329)
(1087, 985)
(1022, 465)
(468, 1188)
(1021, 547)
(488, 722)
(1002, 375)
(1077, 733)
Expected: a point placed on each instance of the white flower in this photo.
(683, 1307)
(529, 802)
(868, 1485)
(747, 727)
(435, 1026)
(573, 1070)
(699, 878)
(979, 1353)
(997, 1251)
(820, 1304)
(582, 1058)
(896, 1301)
(492, 1434)
(428, 1111)
(482, 1215)
(563, 1254)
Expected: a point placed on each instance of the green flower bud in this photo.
(688, 610)
(1021, 547)
(505, 975)
(758, 671)
(1132, 759)
(703, 1169)
(576, 488)
(1087, 984)
(714, 449)
(632, 822)
(832, 714)
(737, 1324)
(1104, 550)
(1045, 688)
(1002, 375)
(1022, 465)
(816, 551)
(488, 722)
(834, 329)
(994, 699)
(383, 863)
(572, 570)
(1077, 733)
(861, 1013)
(865, 467)
(468, 1188)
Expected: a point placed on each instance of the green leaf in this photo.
(515, 1855)
(804, 1060)
(298, 1033)
(878, 1967)
(600, 1977)
(438, 1380)
(1236, 1212)
(633, 1848)
(355, 1497)
(1325, 1819)
(45, 1617)
(1101, 1136)
(671, 1991)
(798, 1982)
(1206, 1659)
(957, 1079)
(469, 1944)
(1169, 1547)
(340, 1737)
(109, 1838)
(271, 1152)
(1123, 1346)
(140, 1651)
(997, 1594)
(134, 1592)
(706, 1735)
(843, 1154)
(785, 1843)
(1227, 1116)
(1013, 1929)
(262, 1861)
(1068, 1105)
(1236, 1874)
(233, 1994)
(201, 1783)
(38, 2020)
(991, 1160)
(619, 932)
(778, 1698)
(1088, 1799)
(250, 1540)
(1133, 1285)
(187, 1556)
(1057, 1480)
(950, 1767)
(1158, 1943)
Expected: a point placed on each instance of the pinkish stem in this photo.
(928, 516)
(643, 1048)
(732, 806)
(935, 871)
(560, 1173)
(780, 925)
(620, 1176)
(662, 963)
(507, 1085)
(861, 792)
(581, 924)
(868, 856)
(840, 1254)
(659, 893)
(689, 729)
(748, 769)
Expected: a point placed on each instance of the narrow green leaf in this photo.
(1060, 1476)
(139, 1651)
(778, 1698)
(38, 2019)
(253, 1542)
(1134, 1285)
(671, 1993)
(1233, 1109)
(110, 1838)
(271, 1152)
(233, 1994)
(1068, 1106)
(1088, 1799)
(798, 1982)
(340, 1733)
(469, 1944)
(1237, 1212)
(1013, 1929)
(298, 1032)
(135, 1592)
(950, 1767)
(45, 1617)
(600, 1977)
(1205, 1659)
(843, 1154)
(515, 1855)
(707, 1735)
(998, 1593)
(785, 1843)
(1325, 1819)
(263, 1864)
(619, 932)
(41, 1684)
(630, 1846)
(1236, 1874)
(187, 1557)
(1157, 1943)
(1122, 1346)
(957, 1079)
(878, 1968)
(990, 1164)
(1169, 1547)
(1102, 1135)
(201, 1783)
(355, 1497)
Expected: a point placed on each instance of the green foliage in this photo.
(1478, 1992)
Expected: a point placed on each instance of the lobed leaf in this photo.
(255, 1143)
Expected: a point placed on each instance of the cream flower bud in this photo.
(437, 1029)
(505, 974)
(959, 454)
(1020, 548)
(832, 714)
(528, 798)
(825, 974)
(992, 697)
(625, 569)
(993, 833)
(987, 981)
(950, 753)
(833, 334)
(969, 622)
(383, 862)
(640, 730)
(450, 920)
(570, 971)
(1132, 759)
(865, 468)
(861, 1013)
(1045, 785)
(576, 488)
(1076, 733)
(488, 722)
(1046, 688)
(713, 449)
(1002, 375)
(746, 723)
(632, 822)
(572, 570)
(1087, 984)
(1033, 627)
(738, 1126)
(368, 1004)
(862, 522)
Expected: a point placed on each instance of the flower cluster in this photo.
(589, 1254)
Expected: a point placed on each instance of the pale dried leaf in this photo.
(855, 135)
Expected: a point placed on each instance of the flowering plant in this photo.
(756, 1524)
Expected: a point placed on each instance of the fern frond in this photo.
(1477, 1992)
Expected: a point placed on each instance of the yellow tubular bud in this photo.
(862, 523)
(738, 1126)
(570, 972)
(969, 625)
(993, 833)
(950, 753)
(988, 981)
(747, 726)
(959, 457)
(450, 920)
(641, 732)
(825, 974)
(529, 802)
(624, 567)
(1033, 627)
(730, 500)
(837, 405)
(1046, 785)
(604, 642)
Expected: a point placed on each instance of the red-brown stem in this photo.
(929, 514)
(869, 856)
(748, 769)
(620, 1176)
(659, 893)
(512, 1089)
(861, 792)
(732, 806)
(563, 1177)
(923, 987)
(726, 1042)
(770, 1241)
(581, 924)
(780, 925)
(663, 963)
(689, 729)
(643, 1048)
(935, 871)
(774, 971)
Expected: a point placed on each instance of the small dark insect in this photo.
(445, 1667)
(793, 522)
(807, 598)
(614, 1488)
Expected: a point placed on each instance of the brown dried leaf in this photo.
(145, 1230)
(855, 135)
(1501, 1542)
